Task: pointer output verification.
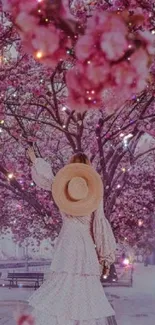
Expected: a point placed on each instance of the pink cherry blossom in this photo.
(130, 77)
(26, 22)
(139, 60)
(114, 44)
(84, 47)
(111, 31)
(149, 40)
(122, 74)
(105, 22)
(27, 6)
(8, 4)
(97, 23)
(46, 40)
(97, 70)
(72, 79)
(82, 95)
(19, 6)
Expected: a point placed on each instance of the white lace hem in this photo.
(45, 319)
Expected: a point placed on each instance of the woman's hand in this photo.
(104, 267)
(31, 154)
(106, 271)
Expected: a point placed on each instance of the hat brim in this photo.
(85, 206)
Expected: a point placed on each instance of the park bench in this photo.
(36, 278)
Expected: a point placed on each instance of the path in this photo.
(136, 306)
(133, 306)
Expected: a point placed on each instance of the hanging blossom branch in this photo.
(100, 64)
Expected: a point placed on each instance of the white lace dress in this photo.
(73, 294)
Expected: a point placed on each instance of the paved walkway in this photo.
(11, 302)
(7, 311)
(133, 306)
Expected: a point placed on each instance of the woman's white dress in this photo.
(73, 293)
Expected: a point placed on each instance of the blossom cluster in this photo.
(38, 25)
(110, 57)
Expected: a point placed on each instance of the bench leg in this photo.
(36, 286)
(11, 284)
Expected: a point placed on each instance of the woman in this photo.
(73, 294)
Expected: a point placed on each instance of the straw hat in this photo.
(77, 189)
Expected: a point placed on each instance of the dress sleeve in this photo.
(103, 237)
(42, 174)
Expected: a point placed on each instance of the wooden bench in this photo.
(36, 278)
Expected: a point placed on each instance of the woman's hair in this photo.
(80, 157)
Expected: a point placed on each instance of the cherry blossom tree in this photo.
(33, 110)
